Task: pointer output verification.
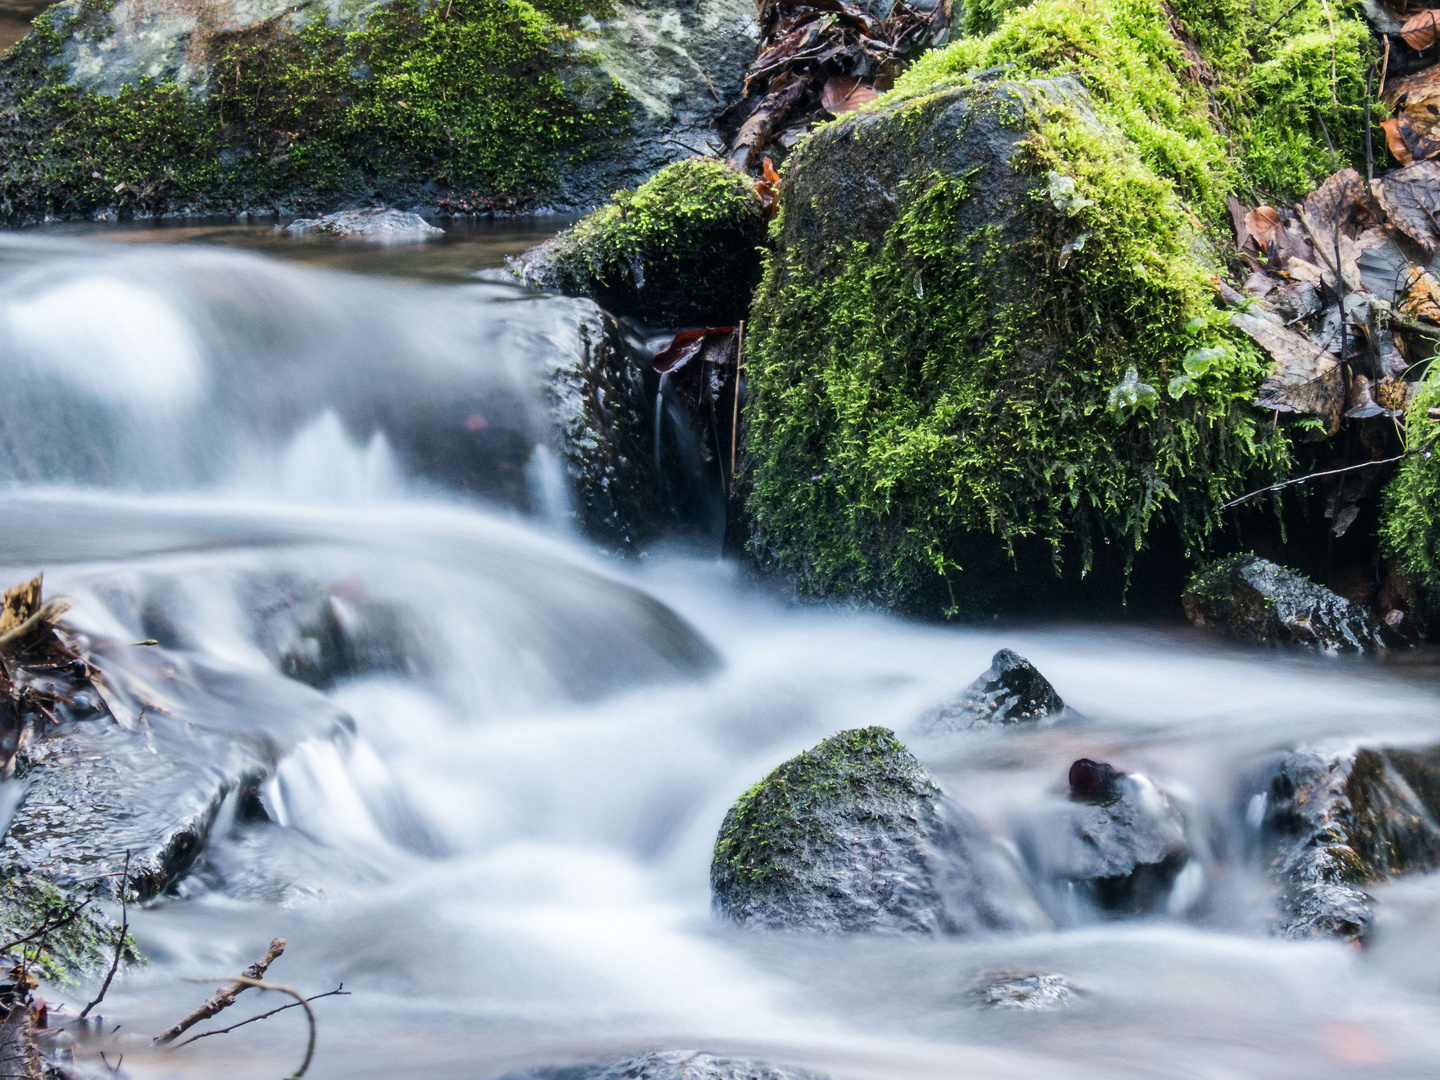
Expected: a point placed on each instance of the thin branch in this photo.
(339, 991)
(120, 941)
(223, 999)
(1333, 472)
(244, 980)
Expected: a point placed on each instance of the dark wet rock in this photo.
(1258, 601)
(854, 835)
(1011, 691)
(374, 225)
(665, 1065)
(318, 635)
(601, 397)
(1343, 820)
(1116, 847)
(683, 249)
(1030, 992)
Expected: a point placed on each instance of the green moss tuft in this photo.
(466, 100)
(1410, 512)
(684, 248)
(82, 947)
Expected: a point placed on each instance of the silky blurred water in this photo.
(506, 860)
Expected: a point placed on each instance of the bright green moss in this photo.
(1410, 516)
(466, 100)
(1240, 107)
(1038, 362)
(683, 248)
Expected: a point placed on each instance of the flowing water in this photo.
(503, 853)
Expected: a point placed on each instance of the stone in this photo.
(1117, 847)
(683, 249)
(375, 226)
(1031, 992)
(1010, 691)
(854, 835)
(1256, 601)
(1339, 820)
(665, 1065)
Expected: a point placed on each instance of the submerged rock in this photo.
(1254, 600)
(1027, 992)
(854, 835)
(682, 249)
(375, 226)
(665, 1065)
(1010, 691)
(1117, 847)
(1345, 819)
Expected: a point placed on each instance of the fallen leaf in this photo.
(1238, 214)
(1420, 31)
(1420, 297)
(1334, 204)
(844, 93)
(1410, 198)
(1399, 149)
(768, 188)
(1305, 377)
(1393, 394)
(1264, 224)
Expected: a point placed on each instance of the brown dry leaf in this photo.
(1420, 297)
(1393, 394)
(1420, 31)
(844, 93)
(1263, 223)
(1410, 198)
(768, 188)
(1238, 214)
(1305, 377)
(1335, 203)
(20, 603)
(1300, 270)
(1399, 149)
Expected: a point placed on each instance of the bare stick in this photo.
(243, 981)
(119, 942)
(339, 991)
(1332, 472)
(223, 999)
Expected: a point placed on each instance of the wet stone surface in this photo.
(1030, 992)
(1011, 691)
(665, 1065)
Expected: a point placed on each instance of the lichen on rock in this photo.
(684, 248)
(852, 835)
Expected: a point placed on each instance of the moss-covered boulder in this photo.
(69, 937)
(684, 248)
(124, 107)
(1410, 518)
(988, 339)
(1260, 602)
(853, 835)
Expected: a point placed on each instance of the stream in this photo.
(501, 846)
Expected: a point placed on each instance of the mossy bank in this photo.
(472, 105)
(986, 351)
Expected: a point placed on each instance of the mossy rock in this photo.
(83, 939)
(1257, 601)
(1410, 517)
(852, 835)
(682, 249)
(986, 335)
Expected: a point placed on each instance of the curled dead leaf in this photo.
(1264, 224)
(845, 93)
(768, 188)
(1421, 30)
(1410, 198)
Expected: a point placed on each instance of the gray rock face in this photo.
(664, 1065)
(1117, 847)
(1024, 992)
(1343, 819)
(374, 226)
(1257, 601)
(1011, 691)
(854, 835)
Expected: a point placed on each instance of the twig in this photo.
(1281, 17)
(223, 999)
(1333, 472)
(1384, 69)
(339, 991)
(120, 942)
(54, 925)
(242, 981)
